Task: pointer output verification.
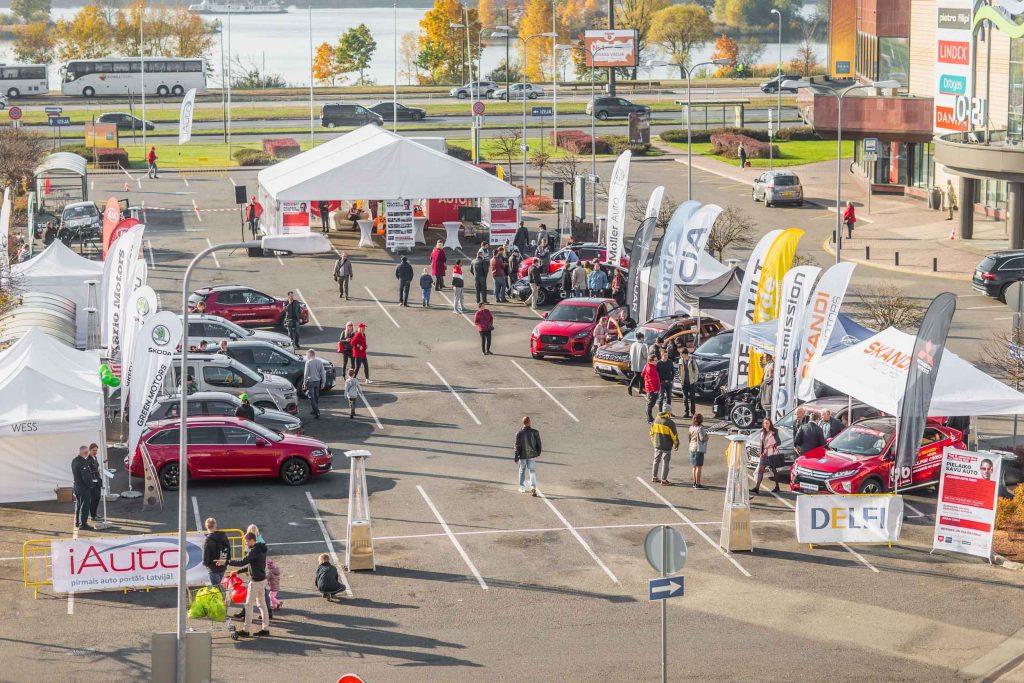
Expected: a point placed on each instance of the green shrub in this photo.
(620, 143)
(460, 153)
(793, 134)
(80, 150)
(252, 157)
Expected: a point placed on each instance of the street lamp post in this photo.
(311, 243)
(503, 31)
(839, 95)
(778, 81)
(688, 71)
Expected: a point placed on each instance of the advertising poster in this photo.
(607, 48)
(819, 320)
(965, 515)
(849, 519)
(672, 241)
(504, 219)
(115, 285)
(767, 301)
(155, 344)
(294, 217)
(151, 560)
(401, 232)
(952, 65)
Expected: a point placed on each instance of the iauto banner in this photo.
(966, 511)
(849, 519)
(96, 564)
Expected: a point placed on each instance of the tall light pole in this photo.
(504, 31)
(310, 14)
(229, 81)
(839, 95)
(394, 87)
(142, 73)
(778, 81)
(688, 71)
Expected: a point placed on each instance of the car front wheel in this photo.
(295, 471)
(169, 476)
(871, 486)
(462, 95)
(742, 415)
(602, 116)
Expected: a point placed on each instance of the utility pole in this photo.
(611, 25)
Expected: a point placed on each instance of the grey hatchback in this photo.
(778, 187)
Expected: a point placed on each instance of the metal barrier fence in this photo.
(36, 558)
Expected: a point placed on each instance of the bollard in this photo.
(897, 258)
(935, 264)
(867, 253)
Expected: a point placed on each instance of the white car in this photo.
(518, 91)
(3, 102)
(213, 328)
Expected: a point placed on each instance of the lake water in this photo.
(281, 41)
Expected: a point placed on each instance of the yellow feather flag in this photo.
(777, 261)
(501, 171)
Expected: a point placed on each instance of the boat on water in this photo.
(238, 7)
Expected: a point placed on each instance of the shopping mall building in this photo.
(960, 112)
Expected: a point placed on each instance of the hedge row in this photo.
(727, 145)
(252, 157)
(281, 148)
(784, 135)
(620, 143)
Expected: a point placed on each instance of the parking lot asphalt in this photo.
(474, 580)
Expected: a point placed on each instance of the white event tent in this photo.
(875, 371)
(372, 163)
(51, 402)
(58, 270)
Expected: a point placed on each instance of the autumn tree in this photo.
(488, 13)
(325, 69)
(540, 159)
(725, 48)
(733, 229)
(440, 45)
(536, 19)
(31, 10)
(408, 52)
(33, 43)
(753, 13)
(680, 29)
(355, 51)
(507, 145)
(86, 35)
(639, 15)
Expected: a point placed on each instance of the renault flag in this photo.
(818, 322)
(921, 376)
(617, 209)
(185, 118)
(111, 217)
(766, 307)
(797, 286)
(671, 241)
(118, 272)
(141, 307)
(691, 245)
(155, 344)
(5, 223)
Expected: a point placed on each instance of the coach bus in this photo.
(164, 76)
(17, 80)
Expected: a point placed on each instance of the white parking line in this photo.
(451, 537)
(454, 393)
(310, 309)
(452, 304)
(913, 509)
(546, 392)
(233, 183)
(195, 207)
(376, 420)
(195, 512)
(577, 536)
(330, 544)
(278, 257)
(152, 261)
(216, 260)
(185, 180)
(696, 528)
(374, 297)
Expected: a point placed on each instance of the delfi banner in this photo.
(140, 308)
(849, 519)
(185, 118)
(155, 345)
(111, 217)
(966, 512)
(112, 563)
(503, 218)
(738, 357)
(118, 270)
(691, 245)
(616, 227)
(797, 285)
(766, 306)
(818, 322)
(671, 241)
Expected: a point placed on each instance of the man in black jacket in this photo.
(404, 274)
(808, 435)
(479, 267)
(256, 561)
(216, 551)
(96, 490)
(522, 239)
(666, 373)
(527, 450)
(292, 318)
(82, 478)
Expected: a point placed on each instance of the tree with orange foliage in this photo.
(440, 45)
(487, 11)
(725, 48)
(536, 19)
(325, 68)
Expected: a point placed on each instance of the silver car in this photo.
(214, 372)
(220, 403)
(518, 91)
(778, 187)
(213, 328)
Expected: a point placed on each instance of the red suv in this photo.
(244, 305)
(859, 459)
(568, 328)
(228, 448)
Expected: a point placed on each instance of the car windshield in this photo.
(573, 314)
(716, 347)
(865, 440)
(235, 329)
(80, 211)
(786, 421)
(267, 434)
(786, 180)
(649, 334)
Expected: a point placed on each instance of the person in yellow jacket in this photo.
(665, 439)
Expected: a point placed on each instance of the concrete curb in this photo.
(894, 269)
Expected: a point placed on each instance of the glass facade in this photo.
(1015, 101)
(894, 60)
(867, 56)
(992, 194)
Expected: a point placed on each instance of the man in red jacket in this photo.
(438, 264)
(652, 383)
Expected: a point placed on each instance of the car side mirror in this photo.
(261, 443)
(544, 315)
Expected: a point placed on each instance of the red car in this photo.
(568, 328)
(588, 251)
(229, 448)
(859, 459)
(244, 305)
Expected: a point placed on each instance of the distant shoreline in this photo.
(316, 3)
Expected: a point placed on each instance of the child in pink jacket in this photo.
(274, 584)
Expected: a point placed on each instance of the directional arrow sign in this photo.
(543, 111)
(664, 588)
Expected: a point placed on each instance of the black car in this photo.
(773, 85)
(998, 271)
(332, 115)
(551, 289)
(221, 403)
(270, 359)
(125, 121)
(712, 359)
(615, 108)
(386, 110)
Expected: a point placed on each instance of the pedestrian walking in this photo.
(652, 383)
(256, 560)
(807, 435)
(325, 215)
(353, 392)
(598, 281)
(151, 161)
(688, 374)
(666, 374)
(327, 581)
(543, 253)
(343, 274)
(216, 551)
(527, 450)
(770, 456)
(426, 284)
(484, 321)
(522, 239)
(951, 204)
(314, 377)
(849, 219)
(698, 447)
(830, 425)
(253, 211)
(345, 346)
(438, 265)
(292, 318)
(479, 267)
(359, 352)
(499, 276)
(579, 280)
(638, 351)
(404, 273)
(665, 439)
(458, 287)
(82, 485)
(741, 152)
(245, 410)
(535, 277)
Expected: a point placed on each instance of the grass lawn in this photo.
(490, 150)
(793, 153)
(193, 154)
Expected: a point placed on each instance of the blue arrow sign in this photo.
(543, 111)
(57, 121)
(54, 110)
(664, 588)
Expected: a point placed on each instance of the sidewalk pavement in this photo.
(895, 224)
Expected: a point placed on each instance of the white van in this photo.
(216, 372)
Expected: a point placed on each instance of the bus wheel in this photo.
(88, 91)
(13, 92)
(162, 91)
(178, 90)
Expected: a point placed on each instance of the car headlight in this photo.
(318, 453)
(581, 335)
(536, 331)
(845, 473)
(283, 344)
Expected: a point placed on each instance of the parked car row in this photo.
(344, 114)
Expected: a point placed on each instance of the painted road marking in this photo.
(216, 260)
(376, 420)
(373, 296)
(195, 207)
(452, 304)
(546, 392)
(451, 537)
(330, 544)
(152, 261)
(310, 309)
(195, 512)
(579, 538)
(454, 393)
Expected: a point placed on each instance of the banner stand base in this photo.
(885, 543)
(102, 525)
(131, 494)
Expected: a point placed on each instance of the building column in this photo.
(968, 187)
(1015, 206)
